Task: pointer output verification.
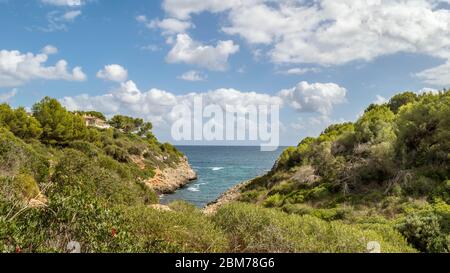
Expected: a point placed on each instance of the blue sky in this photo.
(331, 58)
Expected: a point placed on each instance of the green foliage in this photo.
(375, 126)
(19, 122)
(117, 153)
(424, 133)
(397, 101)
(91, 114)
(253, 229)
(129, 125)
(395, 156)
(18, 157)
(77, 171)
(183, 230)
(423, 231)
(59, 125)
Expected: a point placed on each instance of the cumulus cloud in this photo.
(6, 96)
(113, 72)
(193, 76)
(314, 98)
(156, 105)
(186, 50)
(168, 26)
(329, 32)
(332, 32)
(18, 68)
(49, 50)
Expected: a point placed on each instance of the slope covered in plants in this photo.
(391, 167)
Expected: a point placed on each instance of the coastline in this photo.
(226, 197)
(170, 179)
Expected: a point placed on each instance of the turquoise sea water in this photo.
(220, 168)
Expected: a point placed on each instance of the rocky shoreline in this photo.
(229, 196)
(170, 179)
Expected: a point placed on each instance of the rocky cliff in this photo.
(170, 179)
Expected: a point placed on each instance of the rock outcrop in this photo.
(170, 179)
(227, 197)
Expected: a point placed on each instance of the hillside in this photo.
(390, 168)
(383, 178)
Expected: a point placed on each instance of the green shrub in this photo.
(253, 229)
(117, 153)
(134, 151)
(182, 231)
(85, 147)
(423, 230)
(75, 170)
(18, 157)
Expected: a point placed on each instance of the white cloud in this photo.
(156, 105)
(71, 15)
(49, 50)
(427, 90)
(69, 3)
(314, 98)
(113, 72)
(332, 32)
(438, 76)
(168, 26)
(18, 68)
(186, 50)
(193, 76)
(182, 9)
(57, 20)
(6, 96)
(380, 100)
(329, 32)
(299, 71)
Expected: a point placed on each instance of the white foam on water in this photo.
(195, 188)
(217, 168)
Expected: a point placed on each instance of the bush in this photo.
(184, 230)
(85, 147)
(76, 171)
(423, 231)
(134, 151)
(117, 153)
(253, 229)
(18, 157)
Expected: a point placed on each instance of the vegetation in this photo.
(392, 165)
(384, 178)
(62, 181)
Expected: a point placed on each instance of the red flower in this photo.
(18, 249)
(113, 232)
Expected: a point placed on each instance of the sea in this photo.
(220, 168)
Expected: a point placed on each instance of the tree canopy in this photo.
(131, 125)
(19, 122)
(59, 125)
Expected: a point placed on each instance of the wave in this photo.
(217, 168)
(193, 189)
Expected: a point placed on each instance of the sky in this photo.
(321, 61)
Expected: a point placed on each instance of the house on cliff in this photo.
(96, 122)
